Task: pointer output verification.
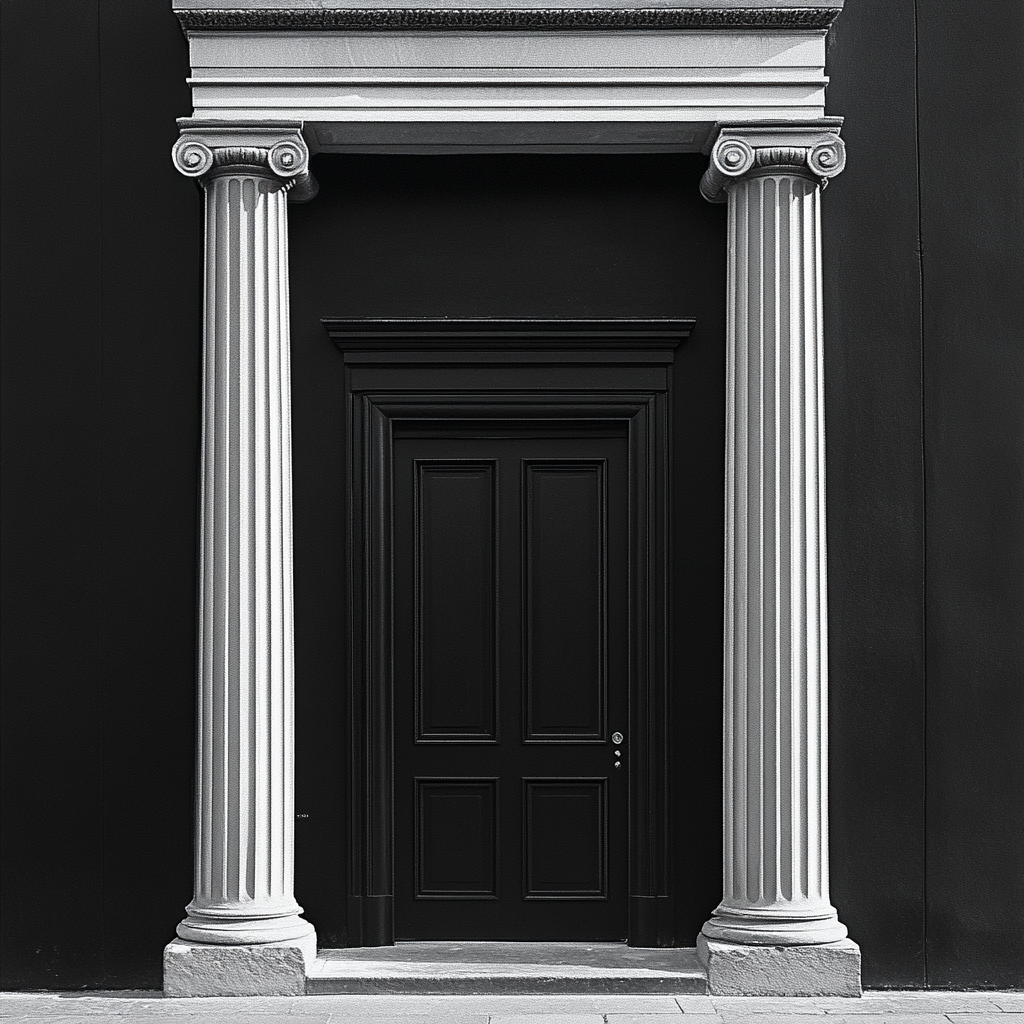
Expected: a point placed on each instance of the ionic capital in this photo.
(742, 151)
(277, 150)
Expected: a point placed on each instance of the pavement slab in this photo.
(745, 1005)
(554, 1018)
(944, 1002)
(869, 1003)
(608, 1008)
(1001, 1017)
(641, 1018)
(695, 1004)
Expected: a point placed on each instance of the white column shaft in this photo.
(775, 719)
(244, 799)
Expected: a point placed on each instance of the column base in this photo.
(267, 969)
(830, 969)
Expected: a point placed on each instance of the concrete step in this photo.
(508, 968)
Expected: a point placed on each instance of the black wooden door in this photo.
(511, 613)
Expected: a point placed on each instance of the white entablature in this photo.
(595, 75)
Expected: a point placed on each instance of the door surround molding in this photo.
(605, 373)
(276, 81)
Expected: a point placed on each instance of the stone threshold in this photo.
(506, 968)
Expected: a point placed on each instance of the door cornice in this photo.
(578, 77)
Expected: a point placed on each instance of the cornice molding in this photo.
(741, 151)
(378, 19)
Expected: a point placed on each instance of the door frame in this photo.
(600, 372)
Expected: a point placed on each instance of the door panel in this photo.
(564, 597)
(456, 601)
(565, 838)
(510, 611)
(457, 838)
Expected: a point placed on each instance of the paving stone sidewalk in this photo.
(873, 1008)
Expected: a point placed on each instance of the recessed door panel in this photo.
(564, 607)
(456, 601)
(565, 839)
(456, 838)
(511, 663)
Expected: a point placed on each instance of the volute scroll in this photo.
(813, 151)
(276, 149)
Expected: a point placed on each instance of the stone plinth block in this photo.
(267, 969)
(831, 969)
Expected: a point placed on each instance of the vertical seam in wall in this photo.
(924, 486)
(102, 489)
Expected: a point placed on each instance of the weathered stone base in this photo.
(832, 969)
(269, 969)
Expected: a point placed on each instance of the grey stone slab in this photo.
(736, 1017)
(869, 1003)
(1011, 1002)
(515, 968)
(49, 1005)
(639, 1018)
(1002, 1017)
(19, 1018)
(344, 1007)
(413, 1018)
(767, 1004)
(943, 1002)
(602, 955)
(732, 1016)
(553, 1018)
(150, 1009)
(889, 1018)
(695, 1004)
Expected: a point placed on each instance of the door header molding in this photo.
(391, 388)
(369, 333)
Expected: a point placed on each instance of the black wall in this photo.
(925, 362)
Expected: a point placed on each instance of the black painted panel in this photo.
(875, 495)
(151, 244)
(456, 601)
(53, 554)
(101, 336)
(972, 230)
(565, 839)
(457, 838)
(564, 601)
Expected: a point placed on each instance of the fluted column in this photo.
(775, 857)
(244, 816)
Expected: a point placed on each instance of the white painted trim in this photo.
(381, 83)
